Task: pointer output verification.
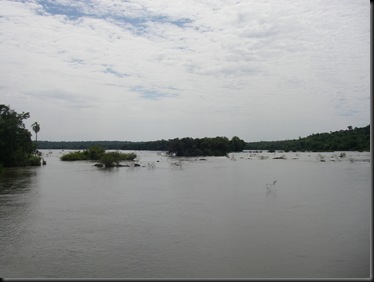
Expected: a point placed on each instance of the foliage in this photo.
(217, 146)
(110, 159)
(36, 128)
(75, 156)
(127, 156)
(236, 144)
(97, 153)
(34, 161)
(357, 139)
(352, 139)
(16, 146)
(93, 153)
(159, 145)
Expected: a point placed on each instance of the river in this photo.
(243, 216)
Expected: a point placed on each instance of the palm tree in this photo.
(36, 128)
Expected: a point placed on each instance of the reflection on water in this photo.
(271, 194)
(16, 200)
(189, 217)
(15, 191)
(16, 180)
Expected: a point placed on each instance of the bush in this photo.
(127, 157)
(111, 159)
(95, 152)
(34, 161)
(75, 156)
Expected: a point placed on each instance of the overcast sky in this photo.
(142, 70)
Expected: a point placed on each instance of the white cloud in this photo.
(146, 70)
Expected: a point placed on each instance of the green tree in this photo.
(110, 159)
(236, 144)
(36, 128)
(342, 140)
(95, 152)
(16, 146)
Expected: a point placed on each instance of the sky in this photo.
(144, 70)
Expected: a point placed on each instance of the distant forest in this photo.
(217, 146)
(351, 139)
(160, 145)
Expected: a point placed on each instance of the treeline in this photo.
(351, 139)
(159, 145)
(217, 146)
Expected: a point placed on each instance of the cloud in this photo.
(239, 67)
(152, 94)
(62, 98)
(116, 73)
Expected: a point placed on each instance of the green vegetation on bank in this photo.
(16, 146)
(159, 145)
(217, 146)
(352, 139)
(97, 153)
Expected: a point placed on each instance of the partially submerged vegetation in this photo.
(97, 153)
(111, 159)
(94, 153)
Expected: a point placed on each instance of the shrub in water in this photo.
(111, 159)
(34, 161)
(75, 156)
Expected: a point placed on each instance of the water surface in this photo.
(189, 218)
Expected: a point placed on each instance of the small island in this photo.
(97, 153)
